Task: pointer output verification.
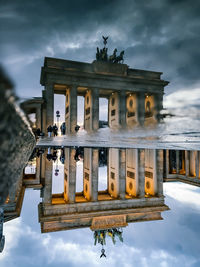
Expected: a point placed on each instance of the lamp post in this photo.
(58, 116)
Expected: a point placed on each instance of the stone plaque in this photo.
(106, 222)
(109, 68)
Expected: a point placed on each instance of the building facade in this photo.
(134, 96)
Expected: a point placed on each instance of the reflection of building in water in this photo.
(35, 106)
(31, 178)
(182, 165)
(134, 96)
(13, 204)
(134, 191)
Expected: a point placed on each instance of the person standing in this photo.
(55, 130)
(38, 132)
(77, 127)
(63, 128)
(49, 130)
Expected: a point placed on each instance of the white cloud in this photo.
(76, 251)
(182, 99)
(12, 231)
(161, 254)
(184, 193)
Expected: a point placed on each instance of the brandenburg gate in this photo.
(134, 96)
(134, 189)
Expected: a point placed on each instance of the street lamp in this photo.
(58, 116)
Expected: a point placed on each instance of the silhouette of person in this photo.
(55, 130)
(77, 128)
(103, 253)
(49, 130)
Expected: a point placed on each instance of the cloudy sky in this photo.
(171, 242)
(156, 35)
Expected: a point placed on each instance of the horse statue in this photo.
(120, 58)
(103, 54)
(113, 56)
(97, 54)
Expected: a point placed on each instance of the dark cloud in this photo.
(156, 35)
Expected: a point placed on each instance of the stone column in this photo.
(91, 110)
(108, 170)
(158, 100)
(42, 173)
(66, 175)
(114, 110)
(197, 164)
(113, 172)
(72, 175)
(44, 114)
(71, 109)
(95, 109)
(141, 107)
(38, 118)
(90, 174)
(49, 97)
(131, 110)
(132, 172)
(141, 172)
(192, 162)
(87, 173)
(177, 162)
(94, 176)
(38, 168)
(122, 173)
(159, 171)
(187, 166)
(43, 162)
(166, 164)
(48, 180)
(122, 109)
(108, 110)
(87, 111)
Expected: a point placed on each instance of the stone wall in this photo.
(16, 138)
